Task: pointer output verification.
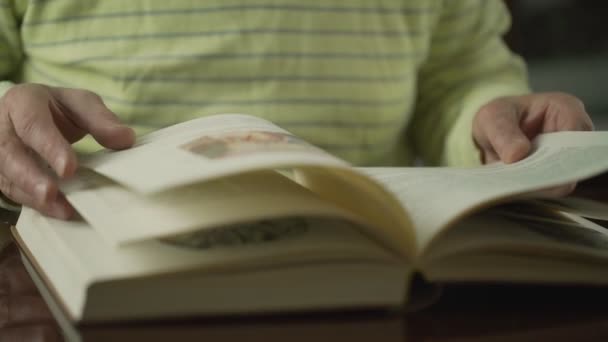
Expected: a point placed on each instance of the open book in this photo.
(230, 214)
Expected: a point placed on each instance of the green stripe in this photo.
(328, 101)
(269, 78)
(456, 59)
(467, 81)
(383, 11)
(265, 55)
(455, 37)
(463, 12)
(237, 32)
(376, 124)
(331, 125)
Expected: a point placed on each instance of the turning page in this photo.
(436, 197)
(209, 172)
(204, 149)
(123, 216)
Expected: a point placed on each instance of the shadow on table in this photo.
(464, 313)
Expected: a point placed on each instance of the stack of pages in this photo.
(230, 214)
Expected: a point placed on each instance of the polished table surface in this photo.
(464, 313)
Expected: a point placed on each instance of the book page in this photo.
(576, 205)
(206, 148)
(152, 176)
(521, 228)
(519, 242)
(237, 247)
(123, 216)
(356, 193)
(74, 256)
(436, 197)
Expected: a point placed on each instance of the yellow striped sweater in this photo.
(375, 82)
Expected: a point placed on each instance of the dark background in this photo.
(566, 46)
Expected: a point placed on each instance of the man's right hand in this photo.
(38, 124)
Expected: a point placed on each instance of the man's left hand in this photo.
(504, 128)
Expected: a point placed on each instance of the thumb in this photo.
(87, 111)
(497, 132)
(111, 133)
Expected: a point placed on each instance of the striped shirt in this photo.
(374, 82)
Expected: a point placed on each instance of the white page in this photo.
(74, 256)
(435, 197)
(206, 148)
(310, 240)
(521, 230)
(123, 216)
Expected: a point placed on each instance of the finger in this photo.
(533, 124)
(33, 124)
(20, 170)
(572, 113)
(88, 112)
(570, 120)
(60, 208)
(490, 156)
(556, 112)
(497, 130)
(45, 332)
(556, 191)
(57, 207)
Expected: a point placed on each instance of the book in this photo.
(232, 215)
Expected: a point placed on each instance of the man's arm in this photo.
(11, 51)
(468, 66)
(10, 54)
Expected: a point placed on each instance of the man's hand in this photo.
(504, 128)
(38, 124)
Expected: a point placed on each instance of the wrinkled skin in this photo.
(504, 128)
(38, 124)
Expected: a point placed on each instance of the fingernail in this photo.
(60, 210)
(117, 124)
(518, 150)
(61, 165)
(41, 191)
